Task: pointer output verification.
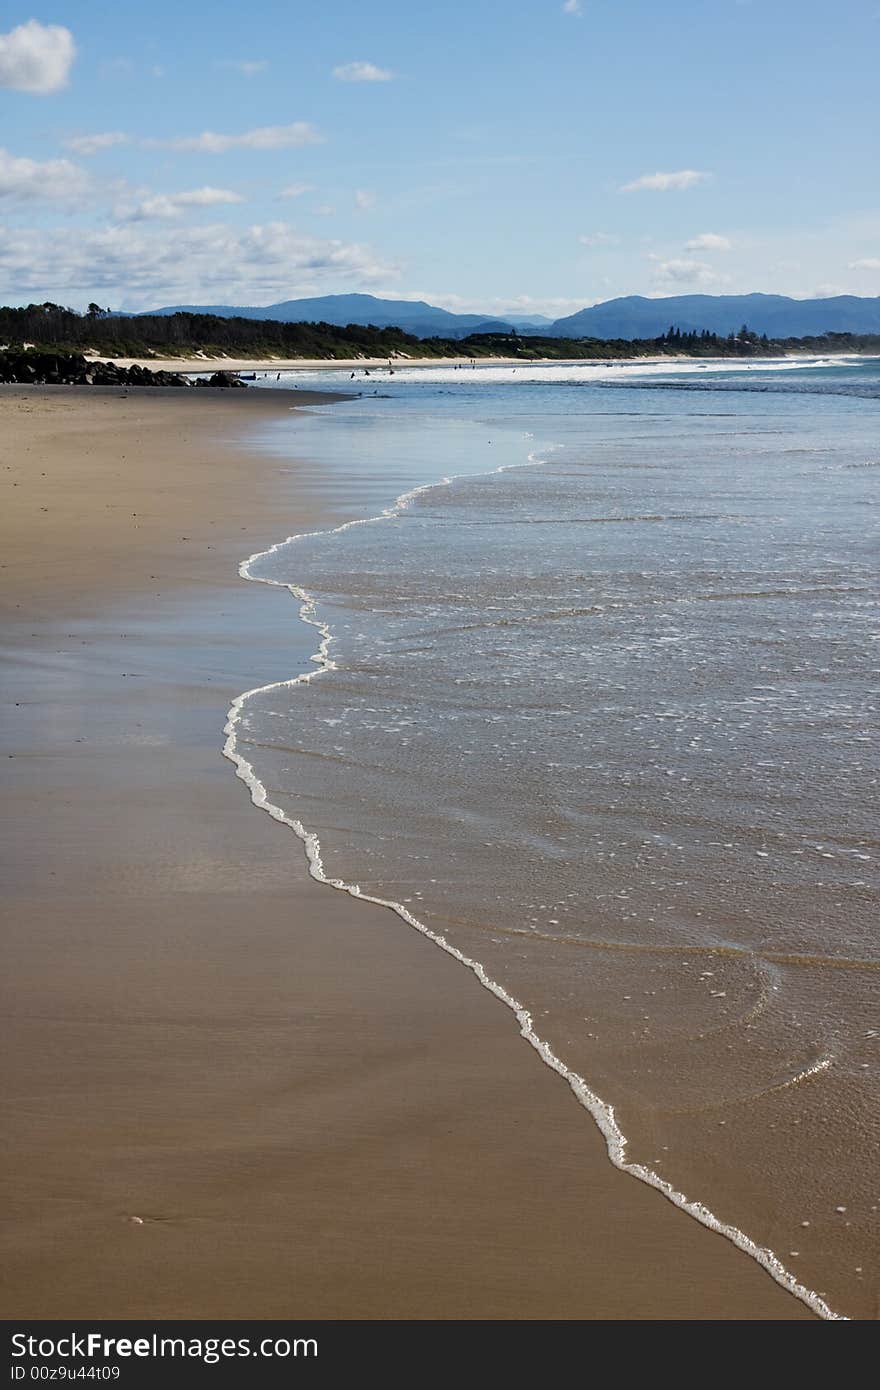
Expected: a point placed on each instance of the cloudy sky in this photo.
(482, 154)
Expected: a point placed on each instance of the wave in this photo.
(593, 371)
(601, 1111)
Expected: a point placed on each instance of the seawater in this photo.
(598, 713)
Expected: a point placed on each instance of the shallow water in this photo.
(605, 720)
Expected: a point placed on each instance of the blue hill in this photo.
(413, 315)
(773, 314)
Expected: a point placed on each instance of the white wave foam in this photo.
(601, 1111)
(559, 372)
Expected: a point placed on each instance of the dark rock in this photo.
(219, 379)
(73, 369)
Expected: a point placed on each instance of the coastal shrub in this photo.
(172, 335)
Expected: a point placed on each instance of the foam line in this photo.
(625, 369)
(601, 1111)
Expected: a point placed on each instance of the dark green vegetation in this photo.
(672, 343)
(180, 335)
(49, 327)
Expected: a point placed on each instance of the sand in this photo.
(310, 1109)
(206, 364)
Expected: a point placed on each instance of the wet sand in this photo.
(312, 1111)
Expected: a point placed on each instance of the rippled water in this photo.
(606, 721)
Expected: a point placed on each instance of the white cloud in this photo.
(365, 200)
(36, 57)
(688, 272)
(91, 144)
(827, 291)
(248, 67)
(325, 209)
(136, 264)
(55, 180)
(594, 239)
(866, 263)
(267, 137)
(296, 190)
(173, 204)
(362, 72)
(708, 241)
(662, 183)
(572, 7)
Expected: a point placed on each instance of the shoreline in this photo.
(601, 1112)
(205, 1075)
(197, 364)
(306, 364)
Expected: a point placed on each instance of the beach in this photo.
(202, 363)
(232, 1092)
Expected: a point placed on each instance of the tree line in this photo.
(50, 326)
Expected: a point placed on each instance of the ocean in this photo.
(593, 706)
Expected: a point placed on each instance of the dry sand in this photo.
(311, 1110)
(347, 365)
(205, 364)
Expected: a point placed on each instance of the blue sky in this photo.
(530, 154)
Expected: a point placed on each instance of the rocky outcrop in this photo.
(36, 368)
(219, 379)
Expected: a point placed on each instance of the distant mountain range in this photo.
(632, 317)
(773, 314)
(413, 315)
